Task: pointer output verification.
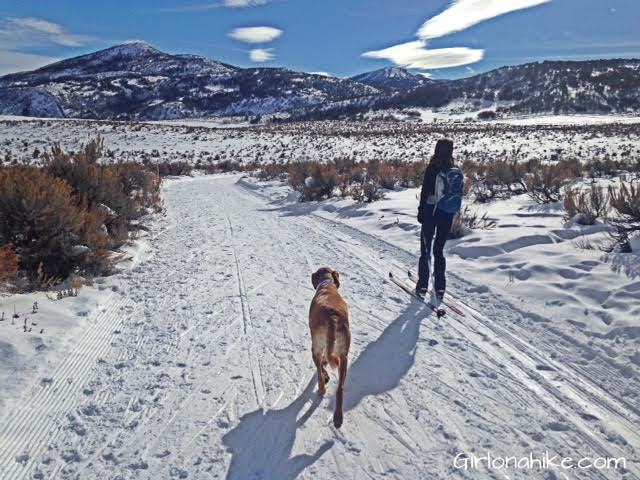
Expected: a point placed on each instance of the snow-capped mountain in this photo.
(136, 81)
(392, 79)
(593, 86)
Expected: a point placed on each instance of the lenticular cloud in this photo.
(416, 55)
(466, 13)
(255, 34)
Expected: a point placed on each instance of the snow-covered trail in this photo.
(200, 367)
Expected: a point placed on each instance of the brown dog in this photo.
(330, 335)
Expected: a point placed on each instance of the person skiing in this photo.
(440, 200)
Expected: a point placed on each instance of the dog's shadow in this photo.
(382, 364)
(261, 443)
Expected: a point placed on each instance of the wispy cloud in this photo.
(37, 24)
(463, 14)
(243, 3)
(416, 55)
(18, 33)
(256, 34)
(213, 6)
(11, 62)
(322, 74)
(261, 55)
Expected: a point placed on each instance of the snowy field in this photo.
(194, 361)
(196, 141)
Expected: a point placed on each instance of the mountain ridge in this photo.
(135, 81)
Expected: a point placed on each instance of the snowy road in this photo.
(199, 366)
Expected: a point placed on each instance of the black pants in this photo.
(438, 224)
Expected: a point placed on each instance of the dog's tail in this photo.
(332, 358)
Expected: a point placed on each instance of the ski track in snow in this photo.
(200, 367)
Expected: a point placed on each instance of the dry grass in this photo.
(587, 205)
(625, 202)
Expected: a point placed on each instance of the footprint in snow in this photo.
(23, 458)
(545, 368)
(557, 427)
(162, 454)
(588, 417)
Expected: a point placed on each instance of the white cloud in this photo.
(11, 62)
(213, 6)
(256, 34)
(17, 33)
(322, 74)
(243, 3)
(37, 24)
(416, 55)
(261, 54)
(463, 14)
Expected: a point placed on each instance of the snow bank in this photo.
(39, 329)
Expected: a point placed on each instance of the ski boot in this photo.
(436, 300)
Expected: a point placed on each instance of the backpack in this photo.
(449, 190)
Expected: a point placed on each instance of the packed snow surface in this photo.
(198, 364)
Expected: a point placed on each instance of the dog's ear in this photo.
(336, 278)
(314, 279)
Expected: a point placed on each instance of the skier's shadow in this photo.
(262, 442)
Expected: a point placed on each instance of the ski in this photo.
(406, 289)
(449, 305)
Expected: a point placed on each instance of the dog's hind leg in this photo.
(337, 415)
(317, 359)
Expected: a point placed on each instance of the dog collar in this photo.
(324, 283)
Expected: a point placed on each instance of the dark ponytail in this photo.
(443, 156)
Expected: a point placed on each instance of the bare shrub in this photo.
(583, 242)
(47, 225)
(66, 216)
(8, 264)
(587, 205)
(467, 220)
(545, 183)
(357, 193)
(603, 167)
(273, 170)
(174, 169)
(313, 180)
(496, 178)
(121, 190)
(387, 176)
(358, 179)
(371, 191)
(625, 201)
(141, 184)
(571, 167)
(411, 174)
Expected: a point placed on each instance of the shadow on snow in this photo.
(262, 442)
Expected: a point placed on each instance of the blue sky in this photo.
(327, 35)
